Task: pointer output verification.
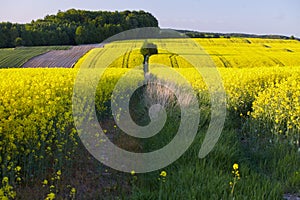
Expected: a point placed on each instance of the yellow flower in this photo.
(73, 190)
(58, 172)
(5, 180)
(45, 182)
(18, 168)
(132, 172)
(163, 174)
(235, 166)
(50, 196)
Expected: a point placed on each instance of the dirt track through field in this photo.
(60, 58)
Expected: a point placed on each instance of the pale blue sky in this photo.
(256, 16)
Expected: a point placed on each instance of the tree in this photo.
(80, 35)
(19, 42)
(132, 21)
(73, 27)
(149, 49)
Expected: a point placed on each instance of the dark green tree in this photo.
(74, 27)
(19, 42)
(80, 35)
(149, 49)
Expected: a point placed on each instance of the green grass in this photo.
(16, 57)
(265, 174)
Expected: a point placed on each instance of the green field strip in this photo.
(16, 57)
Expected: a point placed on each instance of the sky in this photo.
(231, 16)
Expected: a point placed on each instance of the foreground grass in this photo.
(266, 173)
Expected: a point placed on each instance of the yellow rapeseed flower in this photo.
(18, 168)
(163, 174)
(45, 182)
(73, 190)
(5, 180)
(50, 196)
(235, 166)
(1, 193)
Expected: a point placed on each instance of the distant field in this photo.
(241, 52)
(16, 57)
(97, 56)
(229, 53)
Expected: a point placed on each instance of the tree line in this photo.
(196, 34)
(73, 27)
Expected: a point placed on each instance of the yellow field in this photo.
(240, 53)
(264, 67)
(36, 105)
(130, 59)
(229, 53)
(36, 120)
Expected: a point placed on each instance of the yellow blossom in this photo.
(73, 190)
(18, 168)
(45, 182)
(163, 174)
(58, 172)
(50, 196)
(235, 166)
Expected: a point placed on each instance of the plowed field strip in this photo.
(59, 58)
